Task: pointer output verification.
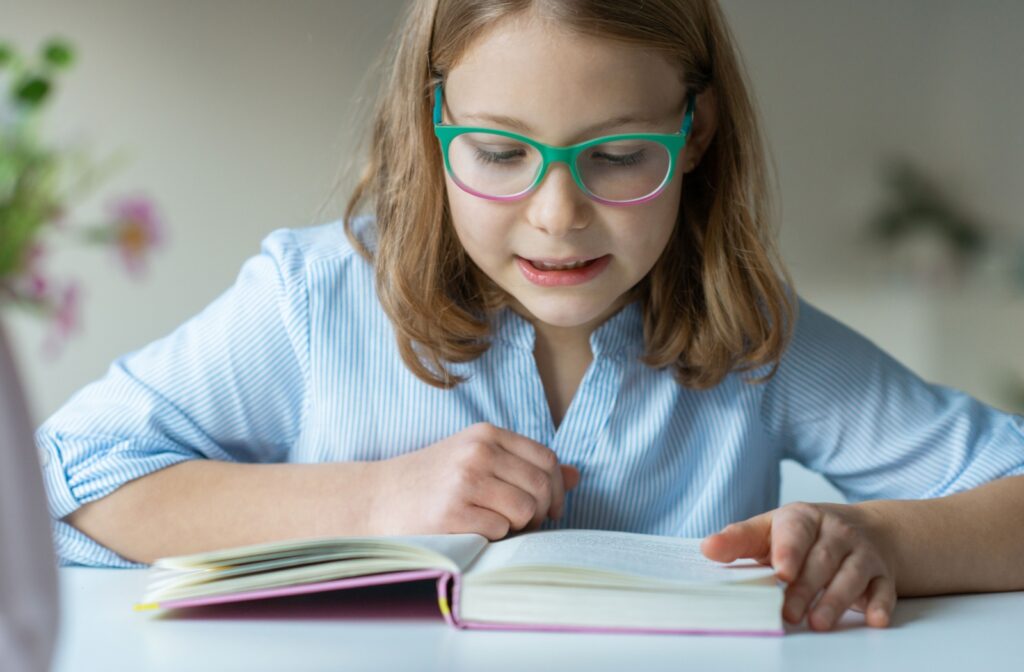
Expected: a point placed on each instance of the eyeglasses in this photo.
(614, 170)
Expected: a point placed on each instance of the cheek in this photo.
(479, 225)
(642, 237)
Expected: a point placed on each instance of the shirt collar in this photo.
(620, 336)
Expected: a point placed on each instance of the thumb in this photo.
(750, 538)
(570, 476)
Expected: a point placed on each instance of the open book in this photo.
(545, 580)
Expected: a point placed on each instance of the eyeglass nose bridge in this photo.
(551, 155)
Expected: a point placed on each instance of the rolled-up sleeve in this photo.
(229, 384)
(844, 408)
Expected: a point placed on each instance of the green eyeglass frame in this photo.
(673, 143)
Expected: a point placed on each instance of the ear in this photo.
(705, 123)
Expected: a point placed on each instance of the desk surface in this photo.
(399, 628)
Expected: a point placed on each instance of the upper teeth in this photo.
(558, 267)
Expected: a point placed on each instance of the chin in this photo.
(565, 312)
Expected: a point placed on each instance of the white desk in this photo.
(344, 630)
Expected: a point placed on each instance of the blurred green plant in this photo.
(38, 185)
(918, 205)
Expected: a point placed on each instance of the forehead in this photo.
(557, 81)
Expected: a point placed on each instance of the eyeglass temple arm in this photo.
(437, 104)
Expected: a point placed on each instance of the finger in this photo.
(794, 531)
(750, 538)
(479, 520)
(822, 563)
(515, 504)
(570, 479)
(539, 455)
(849, 583)
(881, 600)
(528, 477)
(570, 476)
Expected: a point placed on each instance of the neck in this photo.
(576, 338)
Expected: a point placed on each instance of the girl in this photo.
(561, 308)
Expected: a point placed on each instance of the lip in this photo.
(574, 276)
(551, 261)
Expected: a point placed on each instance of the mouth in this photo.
(561, 264)
(552, 272)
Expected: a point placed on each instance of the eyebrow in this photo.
(523, 127)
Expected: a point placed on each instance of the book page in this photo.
(460, 548)
(664, 558)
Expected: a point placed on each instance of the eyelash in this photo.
(503, 157)
(496, 157)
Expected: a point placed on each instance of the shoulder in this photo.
(313, 245)
(826, 359)
(819, 338)
(306, 258)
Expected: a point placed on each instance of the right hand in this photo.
(483, 479)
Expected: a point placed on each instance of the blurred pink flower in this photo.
(136, 230)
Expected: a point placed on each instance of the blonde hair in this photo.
(716, 300)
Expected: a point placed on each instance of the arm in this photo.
(202, 505)
(969, 542)
(484, 480)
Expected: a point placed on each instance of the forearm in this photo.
(201, 505)
(969, 542)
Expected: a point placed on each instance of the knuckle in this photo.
(861, 564)
(477, 452)
(839, 528)
(538, 481)
(825, 555)
(804, 509)
(485, 430)
(548, 459)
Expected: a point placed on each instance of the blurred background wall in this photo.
(239, 114)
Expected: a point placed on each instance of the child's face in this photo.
(559, 84)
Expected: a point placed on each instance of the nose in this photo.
(558, 206)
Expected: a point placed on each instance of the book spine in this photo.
(449, 607)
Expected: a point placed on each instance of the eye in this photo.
(507, 156)
(624, 160)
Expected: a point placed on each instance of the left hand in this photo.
(835, 548)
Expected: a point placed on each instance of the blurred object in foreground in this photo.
(34, 200)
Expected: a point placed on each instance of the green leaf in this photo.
(58, 53)
(32, 90)
(6, 54)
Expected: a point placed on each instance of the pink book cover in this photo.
(448, 588)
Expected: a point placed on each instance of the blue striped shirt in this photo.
(298, 362)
